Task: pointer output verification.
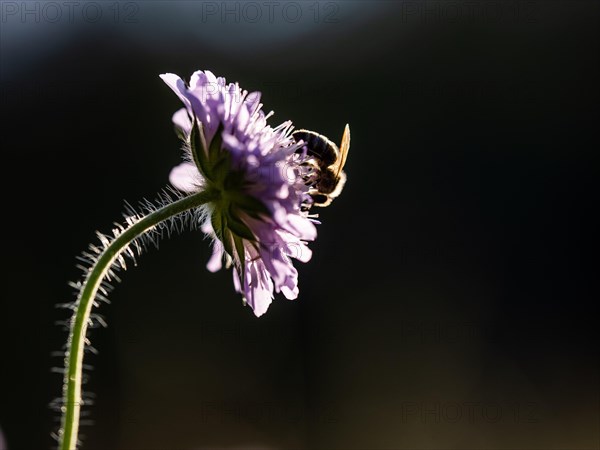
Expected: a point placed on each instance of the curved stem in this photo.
(79, 322)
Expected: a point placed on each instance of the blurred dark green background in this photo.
(450, 300)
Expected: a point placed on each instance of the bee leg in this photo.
(321, 200)
(339, 186)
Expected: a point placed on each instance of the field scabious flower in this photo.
(259, 220)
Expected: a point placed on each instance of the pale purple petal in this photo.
(258, 288)
(181, 119)
(177, 85)
(298, 250)
(215, 263)
(186, 177)
(302, 227)
(291, 290)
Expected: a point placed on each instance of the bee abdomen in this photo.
(318, 146)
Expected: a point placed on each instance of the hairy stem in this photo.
(79, 322)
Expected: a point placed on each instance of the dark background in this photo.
(450, 300)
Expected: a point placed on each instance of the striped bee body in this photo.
(326, 178)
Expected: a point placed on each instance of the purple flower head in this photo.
(258, 223)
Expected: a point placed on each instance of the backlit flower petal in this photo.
(186, 177)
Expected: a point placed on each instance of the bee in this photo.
(325, 175)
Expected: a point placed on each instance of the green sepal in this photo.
(214, 151)
(220, 170)
(241, 252)
(250, 205)
(181, 134)
(228, 242)
(233, 181)
(238, 227)
(199, 150)
(219, 224)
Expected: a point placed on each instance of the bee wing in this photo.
(344, 148)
